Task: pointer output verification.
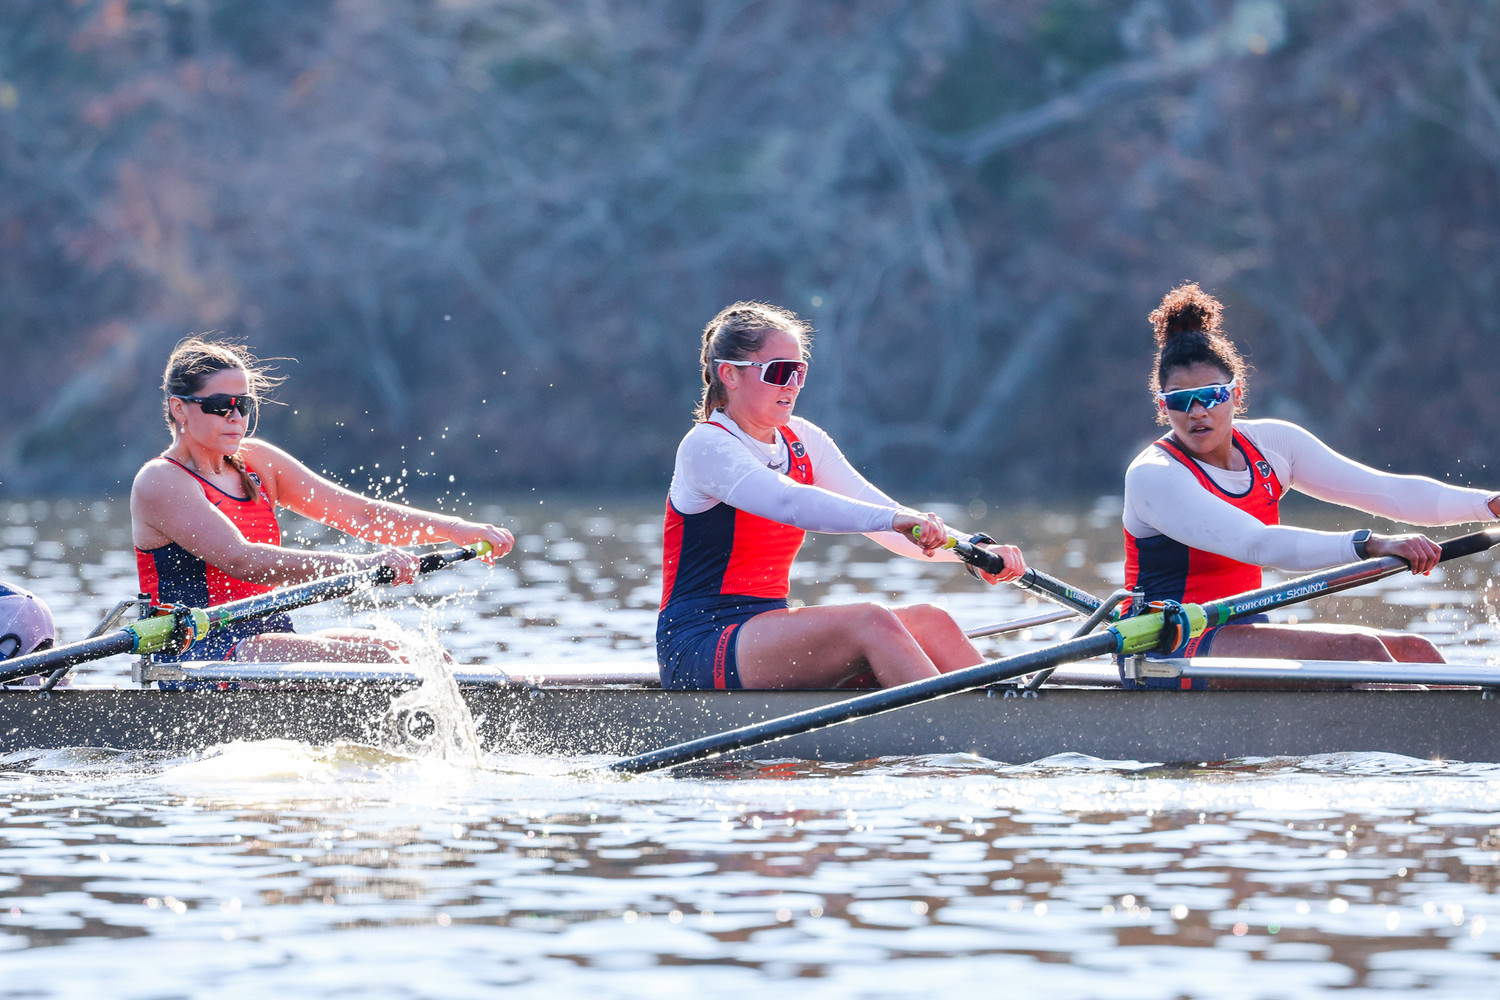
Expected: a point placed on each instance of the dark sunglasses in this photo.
(1210, 396)
(779, 372)
(220, 403)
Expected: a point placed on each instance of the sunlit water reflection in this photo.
(280, 868)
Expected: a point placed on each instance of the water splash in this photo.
(432, 719)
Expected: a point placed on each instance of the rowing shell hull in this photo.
(1148, 726)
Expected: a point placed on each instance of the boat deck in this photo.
(583, 709)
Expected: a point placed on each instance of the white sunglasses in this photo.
(778, 372)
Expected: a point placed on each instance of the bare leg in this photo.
(1323, 642)
(821, 646)
(940, 637)
(1405, 647)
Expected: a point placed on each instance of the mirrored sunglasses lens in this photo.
(782, 372)
(1209, 396)
(1180, 400)
(220, 404)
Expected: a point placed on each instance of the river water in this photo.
(287, 869)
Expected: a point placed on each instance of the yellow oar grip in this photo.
(154, 635)
(916, 535)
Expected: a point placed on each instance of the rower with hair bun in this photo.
(1202, 503)
(203, 516)
(750, 480)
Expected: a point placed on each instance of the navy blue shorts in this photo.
(221, 642)
(1198, 646)
(696, 640)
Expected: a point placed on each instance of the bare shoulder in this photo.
(281, 475)
(263, 456)
(157, 478)
(160, 495)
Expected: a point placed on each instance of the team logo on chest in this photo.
(1264, 469)
(799, 449)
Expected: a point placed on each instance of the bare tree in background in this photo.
(491, 231)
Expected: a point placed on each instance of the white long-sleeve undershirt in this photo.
(734, 468)
(1163, 497)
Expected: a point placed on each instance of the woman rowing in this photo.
(203, 516)
(750, 480)
(1201, 504)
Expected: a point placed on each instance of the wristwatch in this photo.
(1361, 540)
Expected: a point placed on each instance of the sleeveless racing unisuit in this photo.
(171, 574)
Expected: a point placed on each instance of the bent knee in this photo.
(1407, 648)
(876, 622)
(927, 616)
(1367, 647)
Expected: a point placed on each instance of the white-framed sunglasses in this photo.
(1210, 396)
(777, 372)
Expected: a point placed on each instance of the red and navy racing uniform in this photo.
(173, 575)
(1166, 569)
(721, 567)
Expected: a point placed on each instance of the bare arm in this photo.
(300, 489)
(167, 505)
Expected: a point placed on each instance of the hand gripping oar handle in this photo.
(1050, 587)
(161, 632)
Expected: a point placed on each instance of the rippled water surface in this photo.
(288, 869)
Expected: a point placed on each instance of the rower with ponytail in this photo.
(750, 480)
(203, 515)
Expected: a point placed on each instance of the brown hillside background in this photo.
(490, 232)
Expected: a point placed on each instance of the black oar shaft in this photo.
(316, 591)
(1305, 588)
(1060, 591)
(1033, 579)
(874, 703)
(47, 660)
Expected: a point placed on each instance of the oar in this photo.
(1339, 578)
(1034, 580)
(1128, 636)
(153, 635)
